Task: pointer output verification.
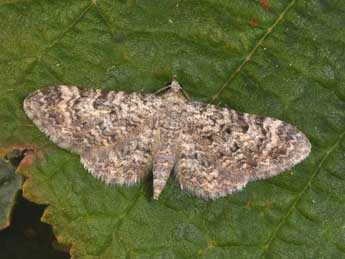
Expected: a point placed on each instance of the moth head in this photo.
(173, 89)
(175, 86)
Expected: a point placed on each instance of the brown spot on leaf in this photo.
(27, 160)
(250, 203)
(265, 4)
(253, 22)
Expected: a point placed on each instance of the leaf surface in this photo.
(284, 60)
(10, 183)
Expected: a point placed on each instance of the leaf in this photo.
(11, 160)
(10, 183)
(285, 61)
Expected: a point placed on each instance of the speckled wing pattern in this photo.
(222, 149)
(112, 131)
(121, 136)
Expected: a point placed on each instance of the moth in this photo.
(122, 137)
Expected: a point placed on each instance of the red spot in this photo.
(253, 22)
(265, 4)
(250, 203)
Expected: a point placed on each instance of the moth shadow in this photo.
(147, 190)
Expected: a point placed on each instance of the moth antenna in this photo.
(161, 89)
(186, 95)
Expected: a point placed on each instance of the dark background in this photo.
(27, 236)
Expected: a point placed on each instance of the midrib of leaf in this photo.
(299, 196)
(252, 52)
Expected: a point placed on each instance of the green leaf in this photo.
(12, 160)
(286, 61)
(10, 184)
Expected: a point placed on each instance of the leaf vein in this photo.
(38, 58)
(252, 52)
(299, 196)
